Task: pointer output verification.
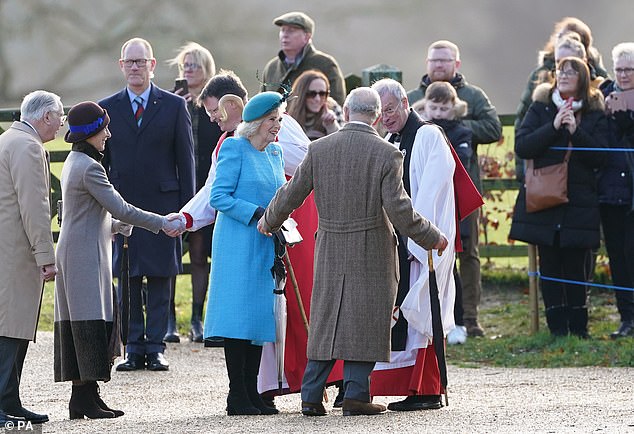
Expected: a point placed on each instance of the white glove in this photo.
(122, 228)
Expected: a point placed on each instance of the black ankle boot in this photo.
(578, 321)
(557, 320)
(196, 332)
(102, 405)
(252, 368)
(82, 403)
(238, 402)
(172, 333)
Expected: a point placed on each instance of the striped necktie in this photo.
(138, 114)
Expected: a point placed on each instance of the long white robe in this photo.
(431, 173)
(294, 143)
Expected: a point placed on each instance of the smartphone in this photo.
(181, 83)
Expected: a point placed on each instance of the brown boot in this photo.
(353, 407)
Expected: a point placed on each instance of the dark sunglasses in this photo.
(313, 93)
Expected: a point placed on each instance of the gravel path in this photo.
(191, 398)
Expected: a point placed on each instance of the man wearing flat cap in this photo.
(298, 54)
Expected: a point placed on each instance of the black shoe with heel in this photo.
(102, 405)
(82, 403)
(196, 332)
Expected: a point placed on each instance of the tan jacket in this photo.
(26, 242)
(357, 180)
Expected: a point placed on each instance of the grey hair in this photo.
(249, 129)
(388, 86)
(572, 45)
(364, 101)
(624, 50)
(36, 104)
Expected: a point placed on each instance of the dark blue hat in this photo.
(260, 105)
(85, 120)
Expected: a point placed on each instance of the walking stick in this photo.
(298, 296)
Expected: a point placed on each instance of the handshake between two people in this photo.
(173, 226)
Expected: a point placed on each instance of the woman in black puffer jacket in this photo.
(569, 111)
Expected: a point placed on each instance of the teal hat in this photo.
(260, 105)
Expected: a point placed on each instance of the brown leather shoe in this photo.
(353, 407)
(312, 409)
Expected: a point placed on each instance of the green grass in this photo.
(508, 342)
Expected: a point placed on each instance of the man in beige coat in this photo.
(27, 257)
(357, 180)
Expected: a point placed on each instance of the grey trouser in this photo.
(356, 380)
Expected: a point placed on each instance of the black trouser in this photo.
(12, 354)
(458, 310)
(565, 303)
(618, 230)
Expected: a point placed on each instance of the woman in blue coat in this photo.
(240, 306)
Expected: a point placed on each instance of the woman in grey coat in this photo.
(85, 340)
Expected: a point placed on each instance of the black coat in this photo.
(152, 167)
(615, 177)
(577, 222)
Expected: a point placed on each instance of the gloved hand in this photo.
(624, 120)
(257, 215)
(173, 225)
(124, 229)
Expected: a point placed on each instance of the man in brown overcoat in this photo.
(27, 256)
(357, 180)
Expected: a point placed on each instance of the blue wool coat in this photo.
(241, 285)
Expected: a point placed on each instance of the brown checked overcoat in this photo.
(357, 180)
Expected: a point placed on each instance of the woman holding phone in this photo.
(196, 66)
(567, 113)
(615, 184)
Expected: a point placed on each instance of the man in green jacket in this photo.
(298, 54)
(443, 61)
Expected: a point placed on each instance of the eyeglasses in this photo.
(62, 117)
(567, 73)
(189, 66)
(626, 71)
(391, 110)
(141, 63)
(313, 93)
(440, 60)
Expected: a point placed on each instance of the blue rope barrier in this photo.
(577, 282)
(563, 148)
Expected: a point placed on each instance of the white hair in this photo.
(624, 50)
(249, 129)
(389, 86)
(36, 104)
